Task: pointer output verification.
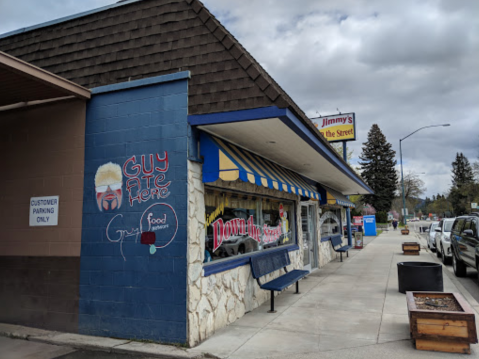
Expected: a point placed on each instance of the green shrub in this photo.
(381, 217)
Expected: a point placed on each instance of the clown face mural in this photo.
(108, 182)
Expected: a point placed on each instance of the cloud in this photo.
(400, 64)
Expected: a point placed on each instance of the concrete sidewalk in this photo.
(345, 310)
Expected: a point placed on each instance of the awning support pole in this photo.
(348, 210)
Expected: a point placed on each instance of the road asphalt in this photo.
(345, 310)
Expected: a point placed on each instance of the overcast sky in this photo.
(400, 64)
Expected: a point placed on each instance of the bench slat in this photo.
(285, 280)
(268, 262)
(343, 249)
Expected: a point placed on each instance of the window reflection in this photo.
(330, 223)
(237, 224)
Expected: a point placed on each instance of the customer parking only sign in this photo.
(44, 211)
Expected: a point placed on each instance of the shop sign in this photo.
(44, 211)
(336, 128)
(223, 231)
(219, 210)
(358, 220)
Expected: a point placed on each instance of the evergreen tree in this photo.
(463, 188)
(377, 165)
(461, 171)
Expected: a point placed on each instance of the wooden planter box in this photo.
(442, 331)
(404, 231)
(411, 248)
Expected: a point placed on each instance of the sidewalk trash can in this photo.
(358, 240)
(420, 276)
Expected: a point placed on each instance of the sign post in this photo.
(348, 210)
(336, 128)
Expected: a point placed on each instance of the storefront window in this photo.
(237, 224)
(330, 222)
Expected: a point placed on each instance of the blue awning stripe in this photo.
(249, 167)
(260, 163)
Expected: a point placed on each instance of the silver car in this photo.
(443, 239)
(431, 234)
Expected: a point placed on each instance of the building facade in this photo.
(190, 160)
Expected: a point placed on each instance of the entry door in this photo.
(310, 244)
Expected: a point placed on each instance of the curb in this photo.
(104, 344)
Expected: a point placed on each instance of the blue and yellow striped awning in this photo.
(330, 196)
(228, 162)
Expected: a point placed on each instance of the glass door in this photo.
(310, 244)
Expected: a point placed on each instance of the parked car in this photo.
(465, 244)
(443, 239)
(431, 236)
(354, 229)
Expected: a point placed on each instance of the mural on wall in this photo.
(158, 224)
(157, 228)
(108, 187)
(145, 179)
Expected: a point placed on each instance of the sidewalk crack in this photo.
(385, 297)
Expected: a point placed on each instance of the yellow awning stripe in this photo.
(225, 161)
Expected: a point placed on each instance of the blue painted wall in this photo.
(129, 289)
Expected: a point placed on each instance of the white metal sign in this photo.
(44, 211)
(473, 205)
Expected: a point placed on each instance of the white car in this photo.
(443, 239)
(431, 236)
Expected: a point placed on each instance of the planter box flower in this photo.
(442, 322)
(411, 248)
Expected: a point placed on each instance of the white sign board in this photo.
(473, 205)
(402, 211)
(44, 211)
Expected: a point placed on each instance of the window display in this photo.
(241, 223)
(330, 223)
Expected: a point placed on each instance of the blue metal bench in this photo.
(268, 262)
(337, 241)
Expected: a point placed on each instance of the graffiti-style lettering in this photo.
(159, 218)
(135, 167)
(121, 234)
(163, 160)
(147, 178)
(145, 171)
(151, 185)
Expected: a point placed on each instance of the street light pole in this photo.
(402, 184)
(400, 155)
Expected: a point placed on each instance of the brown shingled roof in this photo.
(150, 38)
